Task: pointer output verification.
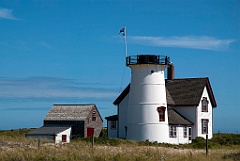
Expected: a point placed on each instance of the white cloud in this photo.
(50, 88)
(7, 14)
(194, 42)
(45, 45)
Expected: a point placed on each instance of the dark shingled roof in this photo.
(70, 112)
(45, 130)
(175, 118)
(112, 118)
(188, 91)
(181, 92)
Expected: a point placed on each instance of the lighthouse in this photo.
(147, 105)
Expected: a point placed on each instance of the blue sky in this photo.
(71, 52)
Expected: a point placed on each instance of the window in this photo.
(113, 125)
(94, 115)
(161, 112)
(204, 126)
(185, 132)
(204, 104)
(189, 133)
(172, 132)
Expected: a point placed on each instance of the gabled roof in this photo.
(48, 130)
(175, 118)
(122, 95)
(188, 91)
(70, 112)
(181, 92)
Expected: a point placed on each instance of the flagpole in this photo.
(125, 40)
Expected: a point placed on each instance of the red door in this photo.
(64, 138)
(90, 131)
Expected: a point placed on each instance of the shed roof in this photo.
(70, 112)
(48, 130)
(112, 118)
(175, 118)
(181, 92)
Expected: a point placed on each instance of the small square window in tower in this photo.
(161, 111)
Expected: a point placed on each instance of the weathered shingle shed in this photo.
(84, 120)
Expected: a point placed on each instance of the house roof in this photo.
(188, 91)
(181, 92)
(112, 118)
(48, 130)
(175, 118)
(70, 112)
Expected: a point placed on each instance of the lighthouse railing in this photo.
(147, 59)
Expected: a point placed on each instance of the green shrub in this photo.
(227, 139)
(199, 143)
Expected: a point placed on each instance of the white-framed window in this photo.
(172, 131)
(113, 125)
(190, 133)
(185, 128)
(205, 126)
(204, 104)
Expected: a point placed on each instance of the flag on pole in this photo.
(122, 31)
(124, 34)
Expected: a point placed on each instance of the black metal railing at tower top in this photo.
(147, 59)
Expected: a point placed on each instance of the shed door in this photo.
(90, 131)
(64, 138)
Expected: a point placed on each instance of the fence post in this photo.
(92, 141)
(38, 143)
(207, 144)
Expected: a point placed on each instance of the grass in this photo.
(14, 147)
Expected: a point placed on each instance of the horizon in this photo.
(71, 52)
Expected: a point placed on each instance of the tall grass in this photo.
(15, 147)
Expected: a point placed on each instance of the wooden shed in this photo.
(84, 120)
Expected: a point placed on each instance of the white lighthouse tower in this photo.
(147, 106)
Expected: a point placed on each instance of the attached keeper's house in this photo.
(164, 110)
(66, 121)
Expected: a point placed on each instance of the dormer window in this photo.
(204, 104)
(161, 112)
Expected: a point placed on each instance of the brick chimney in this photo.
(170, 71)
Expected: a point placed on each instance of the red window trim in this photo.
(161, 110)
